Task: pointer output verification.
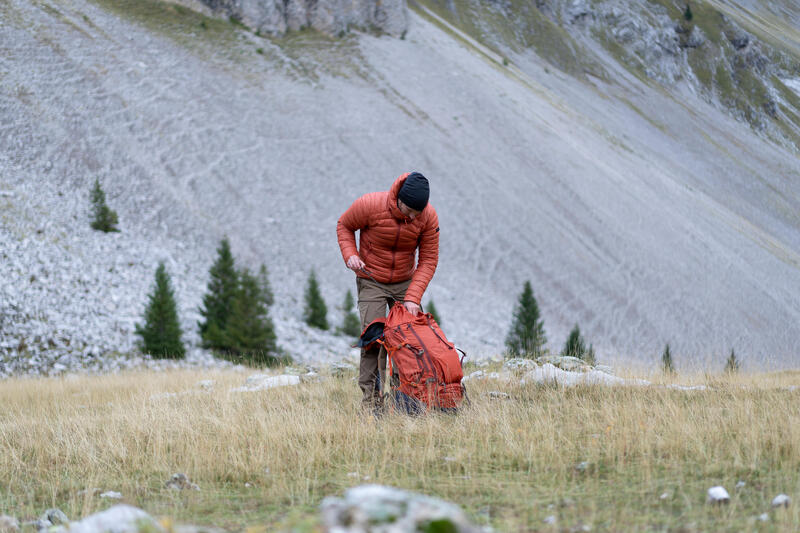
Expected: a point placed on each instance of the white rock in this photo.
(54, 516)
(718, 494)
(386, 509)
(110, 494)
(8, 524)
(497, 395)
(781, 500)
(664, 496)
(262, 382)
(740, 485)
(550, 519)
(206, 384)
(117, 519)
(763, 517)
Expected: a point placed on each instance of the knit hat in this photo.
(415, 191)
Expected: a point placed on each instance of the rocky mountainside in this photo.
(641, 202)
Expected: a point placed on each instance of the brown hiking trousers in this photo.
(373, 299)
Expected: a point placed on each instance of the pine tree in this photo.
(249, 332)
(526, 337)
(434, 312)
(266, 288)
(575, 345)
(732, 364)
(590, 358)
(161, 332)
(687, 14)
(315, 313)
(218, 301)
(352, 323)
(103, 218)
(666, 361)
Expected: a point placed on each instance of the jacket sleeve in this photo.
(428, 259)
(355, 218)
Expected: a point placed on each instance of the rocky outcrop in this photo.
(332, 17)
(380, 508)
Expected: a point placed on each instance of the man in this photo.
(393, 225)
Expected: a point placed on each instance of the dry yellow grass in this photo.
(509, 463)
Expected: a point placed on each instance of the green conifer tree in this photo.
(526, 337)
(732, 364)
(352, 323)
(590, 356)
(687, 14)
(266, 288)
(575, 345)
(249, 332)
(103, 218)
(431, 308)
(316, 312)
(218, 301)
(666, 361)
(161, 332)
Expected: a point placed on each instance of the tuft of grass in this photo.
(596, 456)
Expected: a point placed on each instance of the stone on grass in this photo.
(180, 481)
(740, 485)
(718, 494)
(763, 517)
(116, 519)
(8, 524)
(551, 519)
(519, 363)
(497, 395)
(781, 500)
(258, 382)
(110, 494)
(377, 508)
(56, 517)
(206, 384)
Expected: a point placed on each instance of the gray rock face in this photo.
(380, 509)
(116, 519)
(331, 17)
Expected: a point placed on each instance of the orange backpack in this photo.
(424, 366)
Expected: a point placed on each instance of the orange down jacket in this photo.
(389, 240)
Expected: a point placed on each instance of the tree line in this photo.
(237, 325)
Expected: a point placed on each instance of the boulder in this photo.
(518, 363)
(377, 508)
(258, 382)
(565, 362)
(56, 517)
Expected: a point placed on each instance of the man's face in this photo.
(407, 211)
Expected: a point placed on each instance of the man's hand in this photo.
(355, 263)
(412, 307)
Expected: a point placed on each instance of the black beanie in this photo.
(415, 191)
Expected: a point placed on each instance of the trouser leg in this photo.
(373, 299)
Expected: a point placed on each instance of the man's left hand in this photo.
(412, 307)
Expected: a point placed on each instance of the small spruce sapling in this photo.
(351, 325)
(250, 334)
(575, 345)
(315, 312)
(666, 361)
(434, 312)
(218, 300)
(103, 218)
(526, 337)
(732, 364)
(161, 332)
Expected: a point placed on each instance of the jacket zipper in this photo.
(394, 252)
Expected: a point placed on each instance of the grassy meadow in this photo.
(596, 458)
